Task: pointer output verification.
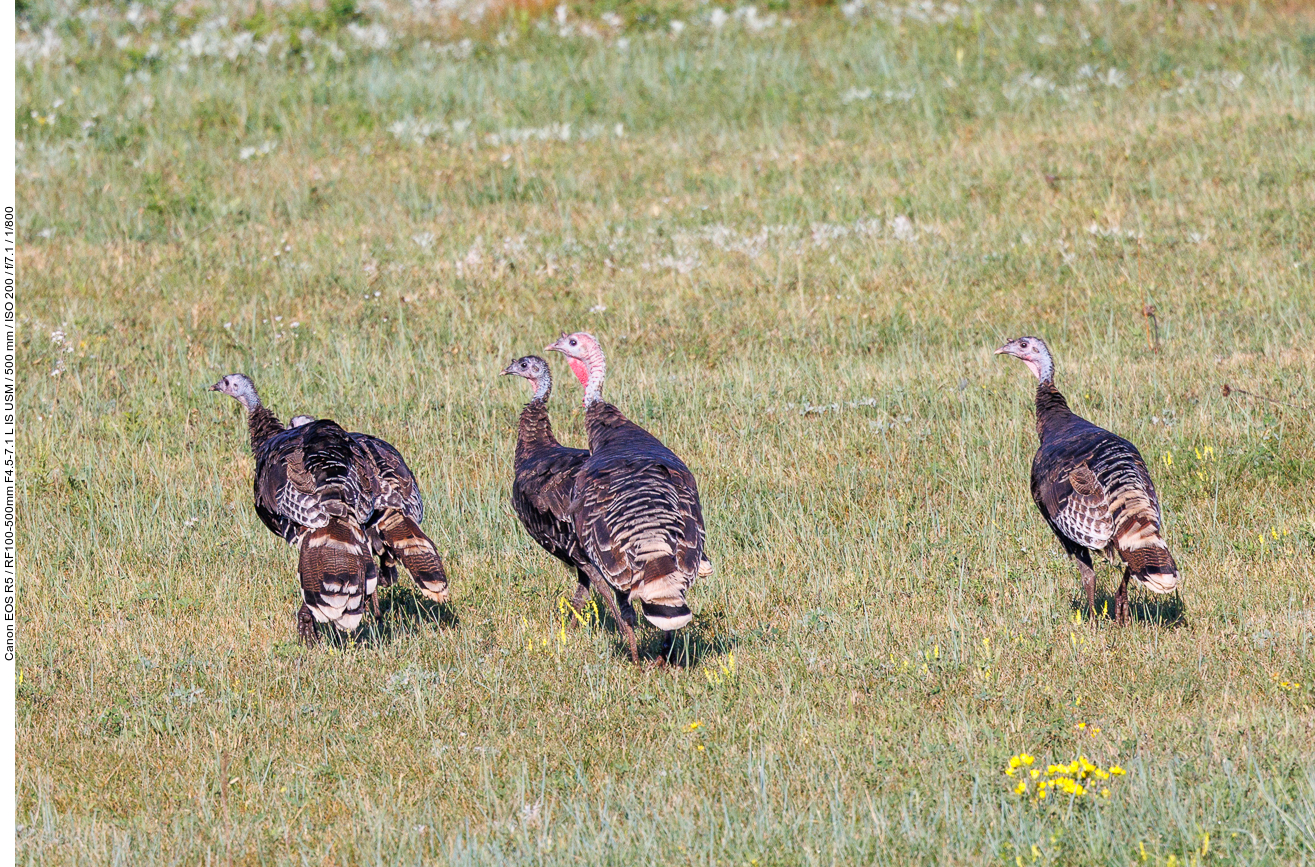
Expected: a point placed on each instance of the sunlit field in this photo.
(799, 232)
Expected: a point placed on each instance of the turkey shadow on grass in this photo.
(402, 612)
(1167, 611)
(707, 637)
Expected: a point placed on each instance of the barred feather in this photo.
(404, 540)
(337, 573)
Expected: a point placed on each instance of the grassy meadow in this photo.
(799, 232)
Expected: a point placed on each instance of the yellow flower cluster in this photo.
(1074, 779)
(1275, 535)
(588, 617)
(1286, 685)
(727, 670)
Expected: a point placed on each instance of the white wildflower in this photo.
(1114, 78)
(374, 36)
(260, 150)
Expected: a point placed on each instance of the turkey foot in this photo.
(387, 572)
(668, 645)
(306, 627)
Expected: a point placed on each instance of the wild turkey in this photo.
(313, 488)
(544, 481)
(1093, 489)
(635, 505)
(394, 527)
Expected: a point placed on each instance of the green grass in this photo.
(807, 240)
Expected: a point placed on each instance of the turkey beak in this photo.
(1003, 350)
(214, 387)
(508, 369)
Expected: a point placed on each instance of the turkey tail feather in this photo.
(408, 543)
(1140, 543)
(662, 591)
(337, 573)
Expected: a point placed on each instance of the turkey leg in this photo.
(580, 598)
(1088, 583)
(611, 601)
(1121, 599)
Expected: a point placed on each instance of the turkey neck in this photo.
(261, 425)
(1052, 410)
(535, 430)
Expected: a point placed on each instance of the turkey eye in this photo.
(1023, 344)
(572, 342)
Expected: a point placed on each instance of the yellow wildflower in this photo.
(1117, 771)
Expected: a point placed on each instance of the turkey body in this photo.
(1095, 492)
(314, 489)
(636, 511)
